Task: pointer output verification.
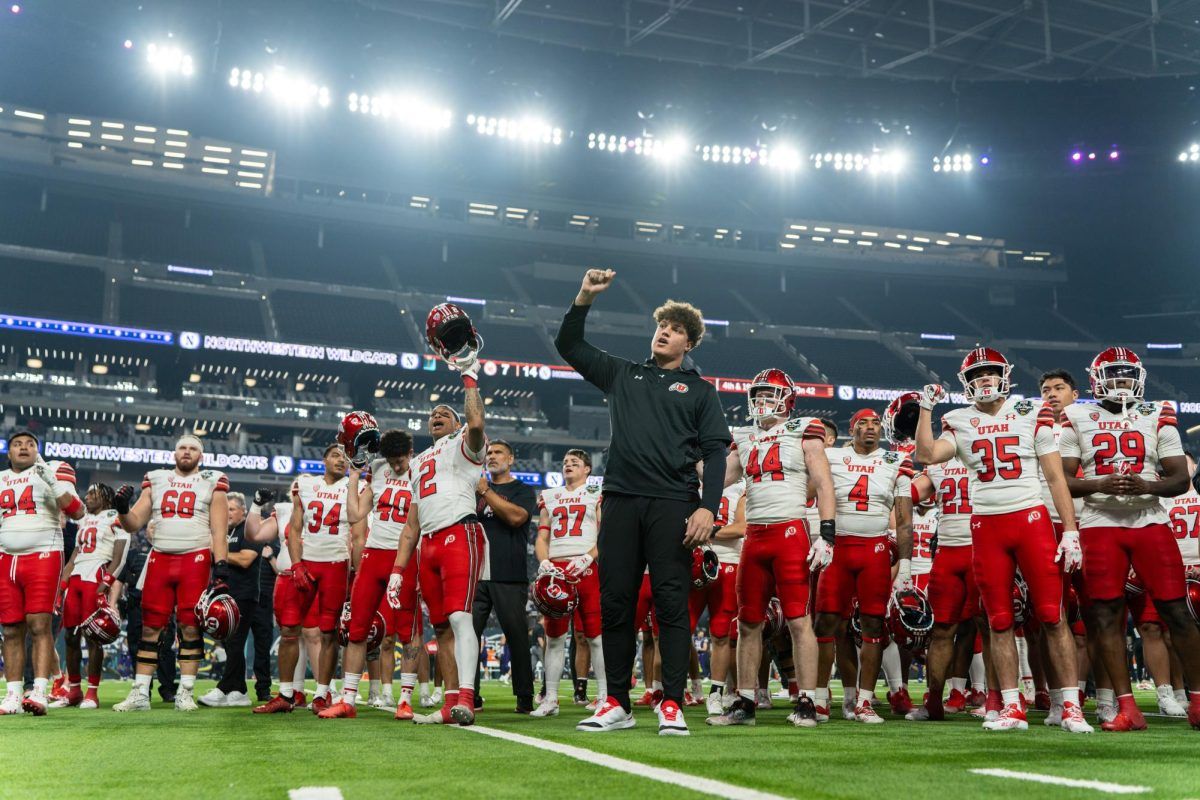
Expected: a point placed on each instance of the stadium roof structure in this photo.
(910, 40)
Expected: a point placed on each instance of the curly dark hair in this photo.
(395, 443)
(684, 314)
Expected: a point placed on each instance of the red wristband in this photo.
(470, 382)
(73, 506)
(397, 569)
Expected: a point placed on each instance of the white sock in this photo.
(40, 685)
(142, 682)
(424, 688)
(349, 686)
(301, 669)
(385, 689)
(556, 656)
(893, 672)
(977, 673)
(697, 687)
(1164, 691)
(1058, 695)
(849, 695)
(322, 690)
(286, 689)
(1023, 655)
(377, 687)
(656, 686)
(466, 648)
(596, 648)
(747, 694)
(958, 683)
(1069, 695)
(1106, 697)
(407, 681)
(14, 689)
(1181, 695)
(1010, 697)
(187, 682)
(822, 696)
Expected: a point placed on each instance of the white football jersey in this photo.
(1184, 513)
(179, 507)
(729, 551)
(392, 493)
(1001, 450)
(1046, 496)
(30, 519)
(445, 476)
(952, 491)
(574, 524)
(773, 464)
(866, 486)
(94, 542)
(925, 527)
(325, 529)
(283, 515)
(1107, 442)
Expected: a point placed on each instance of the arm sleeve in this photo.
(1068, 442)
(596, 366)
(713, 433)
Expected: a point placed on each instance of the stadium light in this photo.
(1192, 154)
(169, 60)
(728, 154)
(409, 110)
(295, 91)
(958, 162)
(874, 162)
(527, 129)
(782, 157)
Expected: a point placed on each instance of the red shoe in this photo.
(1125, 721)
(1041, 700)
(646, 700)
(404, 711)
(298, 700)
(1194, 714)
(35, 704)
(976, 698)
(956, 703)
(463, 714)
(690, 699)
(276, 705)
(58, 689)
(900, 702)
(339, 710)
(319, 704)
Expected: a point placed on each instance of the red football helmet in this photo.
(1133, 585)
(375, 633)
(555, 594)
(774, 618)
(1020, 599)
(705, 566)
(451, 335)
(358, 434)
(1193, 598)
(103, 625)
(770, 394)
(910, 618)
(1118, 365)
(219, 614)
(900, 418)
(978, 358)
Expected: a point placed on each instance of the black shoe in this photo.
(805, 714)
(740, 713)
(167, 697)
(478, 701)
(524, 705)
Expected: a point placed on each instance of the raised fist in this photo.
(263, 496)
(121, 499)
(931, 395)
(596, 281)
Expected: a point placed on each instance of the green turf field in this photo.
(230, 753)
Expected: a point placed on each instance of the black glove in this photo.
(121, 499)
(219, 584)
(933, 545)
(263, 496)
(829, 530)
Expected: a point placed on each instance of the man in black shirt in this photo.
(243, 583)
(506, 506)
(665, 418)
(262, 626)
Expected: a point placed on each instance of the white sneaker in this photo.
(12, 705)
(238, 699)
(213, 698)
(547, 708)
(918, 714)
(61, 702)
(670, 719)
(1010, 718)
(1170, 706)
(848, 710)
(88, 704)
(865, 712)
(385, 702)
(762, 699)
(184, 700)
(426, 701)
(136, 701)
(436, 699)
(713, 704)
(1105, 713)
(608, 717)
(1073, 721)
(1055, 716)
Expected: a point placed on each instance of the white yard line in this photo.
(315, 793)
(1075, 783)
(635, 768)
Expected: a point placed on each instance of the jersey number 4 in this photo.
(568, 520)
(11, 505)
(860, 493)
(322, 520)
(1003, 452)
(771, 466)
(393, 505)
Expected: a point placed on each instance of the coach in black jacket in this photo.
(665, 418)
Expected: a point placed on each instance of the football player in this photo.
(101, 545)
(728, 536)
(1132, 456)
(453, 555)
(1184, 512)
(35, 498)
(1003, 442)
(385, 501)
(188, 507)
(778, 456)
(868, 482)
(568, 526)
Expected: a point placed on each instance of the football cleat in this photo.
(276, 705)
(426, 701)
(463, 715)
(1125, 721)
(608, 717)
(1171, 707)
(1193, 714)
(713, 704)
(90, 702)
(1105, 712)
(848, 707)
(805, 713)
(319, 704)
(404, 711)
(762, 699)
(437, 696)
(136, 701)
(339, 710)
(670, 719)
(1010, 718)
(592, 706)
(58, 688)
(865, 712)
(922, 714)
(11, 705)
(184, 701)
(36, 704)
(646, 699)
(547, 708)
(1072, 719)
(213, 698)
(740, 713)
(1041, 700)
(822, 714)
(690, 699)
(900, 701)
(74, 696)
(1055, 716)
(956, 703)
(976, 697)
(440, 716)
(581, 699)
